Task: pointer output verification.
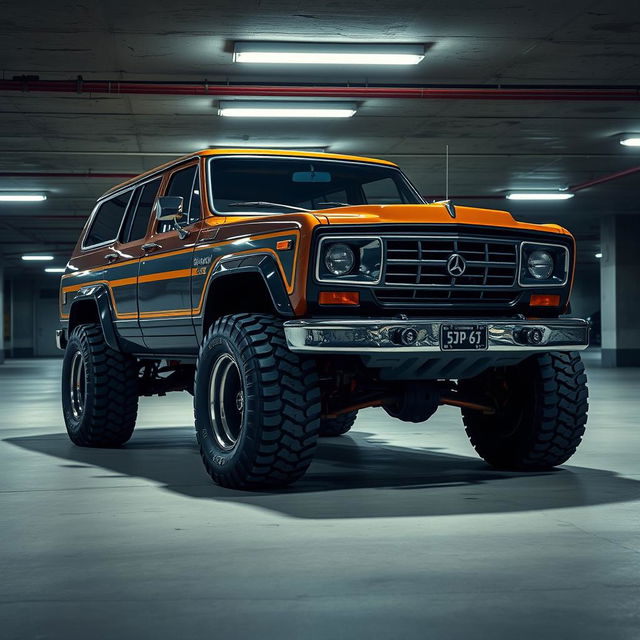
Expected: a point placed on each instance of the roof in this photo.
(244, 152)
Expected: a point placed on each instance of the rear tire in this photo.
(541, 412)
(256, 404)
(99, 390)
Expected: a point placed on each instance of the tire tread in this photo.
(559, 426)
(115, 392)
(289, 398)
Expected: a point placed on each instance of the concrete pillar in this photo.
(620, 290)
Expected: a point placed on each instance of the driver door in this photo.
(164, 277)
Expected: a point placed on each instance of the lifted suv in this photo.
(286, 291)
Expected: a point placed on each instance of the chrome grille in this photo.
(422, 263)
(408, 296)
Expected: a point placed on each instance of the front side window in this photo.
(107, 220)
(277, 185)
(184, 183)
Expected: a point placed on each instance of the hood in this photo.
(435, 213)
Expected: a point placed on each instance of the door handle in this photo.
(110, 257)
(150, 246)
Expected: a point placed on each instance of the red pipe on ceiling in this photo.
(117, 87)
(607, 178)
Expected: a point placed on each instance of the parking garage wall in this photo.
(33, 318)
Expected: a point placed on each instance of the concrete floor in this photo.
(398, 531)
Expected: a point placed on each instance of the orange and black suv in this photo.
(288, 290)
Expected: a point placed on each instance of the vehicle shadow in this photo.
(352, 477)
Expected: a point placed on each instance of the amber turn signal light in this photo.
(339, 297)
(283, 245)
(544, 300)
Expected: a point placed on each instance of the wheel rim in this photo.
(77, 385)
(226, 402)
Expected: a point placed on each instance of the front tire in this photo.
(541, 412)
(256, 404)
(99, 390)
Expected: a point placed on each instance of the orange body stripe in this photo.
(165, 275)
(183, 273)
(177, 252)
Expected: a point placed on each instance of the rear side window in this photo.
(107, 220)
(185, 184)
(144, 200)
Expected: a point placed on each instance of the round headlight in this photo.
(540, 265)
(339, 259)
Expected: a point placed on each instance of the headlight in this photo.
(339, 259)
(352, 260)
(540, 265)
(543, 265)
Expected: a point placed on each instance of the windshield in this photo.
(268, 185)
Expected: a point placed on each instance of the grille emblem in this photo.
(456, 265)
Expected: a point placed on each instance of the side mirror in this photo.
(169, 208)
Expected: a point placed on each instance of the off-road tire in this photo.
(110, 391)
(338, 426)
(279, 418)
(541, 416)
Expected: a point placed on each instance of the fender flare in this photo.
(263, 264)
(99, 294)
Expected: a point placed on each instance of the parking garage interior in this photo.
(397, 530)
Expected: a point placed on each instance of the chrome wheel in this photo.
(77, 385)
(226, 401)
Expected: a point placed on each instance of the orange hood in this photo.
(435, 213)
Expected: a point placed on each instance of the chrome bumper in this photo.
(385, 335)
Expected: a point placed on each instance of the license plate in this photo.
(463, 338)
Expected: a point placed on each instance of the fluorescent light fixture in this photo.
(55, 269)
(327, 53)
(631, 141)
(266, 109)
(598, 255)
(37, 258)
(22, 197)
(540, 195)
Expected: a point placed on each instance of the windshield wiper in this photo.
(261, 203)
(336, 204)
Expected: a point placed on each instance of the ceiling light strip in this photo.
(533, 195)
(278, 109)
(22, 197)
(327, 53)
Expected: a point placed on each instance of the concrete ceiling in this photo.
(495, 146)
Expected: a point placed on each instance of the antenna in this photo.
(446, 173)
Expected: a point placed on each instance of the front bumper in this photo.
(382, 335)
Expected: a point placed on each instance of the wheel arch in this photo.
(245, 285)
(94, 307)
